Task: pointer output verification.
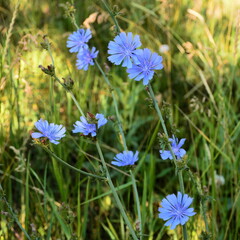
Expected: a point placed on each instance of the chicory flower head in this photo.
(125, 158)
(147, 63)
(124, 49)
(176, 147)
(78, 40)
(87, 128)
(51, 131)
(175, 209)
(85, 58)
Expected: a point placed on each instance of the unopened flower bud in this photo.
(50, 70)
(107, 68)
(112, 118)
(90, 115)
(45, 44)
(68, 82)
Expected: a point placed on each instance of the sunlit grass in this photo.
(200, 81)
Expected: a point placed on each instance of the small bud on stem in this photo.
(50, 70)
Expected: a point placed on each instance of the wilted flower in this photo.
(125, 158)
(175, 209)
(176, 147)
(163, 48)
(147, 63)
(123, 49)
(87, 128)
(85, 58)
(78, 40)
(51, 131)
(219, 180)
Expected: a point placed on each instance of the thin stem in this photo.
(162, 121)
(180, 178)
(115, 105)
(58, 80)
(179, 172)
(120, 206)
(70, 166)
(76, 102)
(184, 228)
(13, 214)
(50, 53)
(137, 202)
(202, 201)
(74, 22)
(112, 16)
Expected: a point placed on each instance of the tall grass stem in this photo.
(113, 16)
(137, 203)
(179, 171)
(115, 105)
(70, 166)
(117, 199)
(12, 213)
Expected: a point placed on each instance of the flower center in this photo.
(127, 52)
(92, 127)
(175, 149)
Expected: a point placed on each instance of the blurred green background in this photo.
(198, 91)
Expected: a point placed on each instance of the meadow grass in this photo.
(197, 91)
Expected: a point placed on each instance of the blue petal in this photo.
(172, 199)
(165, 154)
(174, 223)
(37, 135)
(182, 141)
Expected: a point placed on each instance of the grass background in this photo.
(199, 86)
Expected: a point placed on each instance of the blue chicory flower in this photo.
(125, 158)
(175, 209)
(78, 40)
(51, 131)
(124, 49)
(147, 63)
(85, 58)
(176, 147)
(101, 120)
(87, 128)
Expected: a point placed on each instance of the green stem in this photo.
(71, 167)
(162, 121)
(50, 53)
(74, 22)
(179, 172)
(202, 197)
(13, 214)
(180, 178)
(120, 206)
(115, 105)
(137, 202)
(58, 80)
(76, 102)
(112, 16)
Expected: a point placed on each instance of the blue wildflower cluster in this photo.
(140, 63)
(77, 42)
(55, 132)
